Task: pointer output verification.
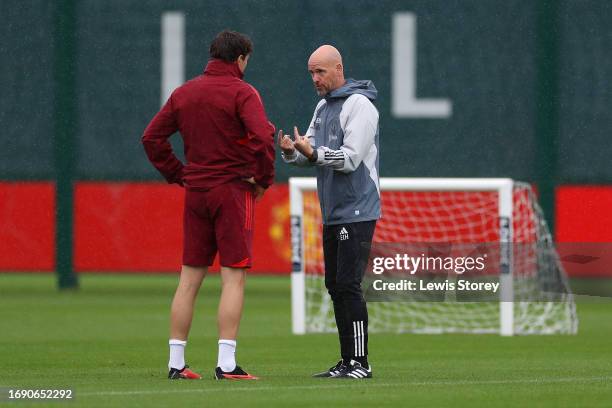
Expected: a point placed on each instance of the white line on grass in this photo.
(348, 384)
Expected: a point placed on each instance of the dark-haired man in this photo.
(229, 148)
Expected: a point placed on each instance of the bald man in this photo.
(342, 144)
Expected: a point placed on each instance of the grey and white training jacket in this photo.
(344, 131)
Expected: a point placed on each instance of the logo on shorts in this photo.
(343, 235)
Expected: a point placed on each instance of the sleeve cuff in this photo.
(288, 158)
(320, 152)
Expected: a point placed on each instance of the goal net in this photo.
(534, 296)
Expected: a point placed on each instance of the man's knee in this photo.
(191, 277)
(330, 285)
(332, 293)
(233, 276)
(348, 289)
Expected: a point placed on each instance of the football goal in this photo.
(533, 296)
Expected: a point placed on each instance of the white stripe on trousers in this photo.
(359, 338)
(355, 336)
(362, 340)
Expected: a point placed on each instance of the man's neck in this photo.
(342, 83)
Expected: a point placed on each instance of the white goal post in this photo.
(496, 198)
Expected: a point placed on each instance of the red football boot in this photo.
(184, 374)
(237, 374)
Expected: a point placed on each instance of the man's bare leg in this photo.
(230, 312)
(181, 312)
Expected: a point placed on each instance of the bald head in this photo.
(326, 54)
(325, 68)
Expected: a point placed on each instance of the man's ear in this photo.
(242, 62)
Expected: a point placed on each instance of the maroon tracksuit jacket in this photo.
(225, 131)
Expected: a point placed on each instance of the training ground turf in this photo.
(108, 342)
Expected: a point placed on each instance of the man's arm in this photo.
(359, 121)
(157, 147)
(260, 134)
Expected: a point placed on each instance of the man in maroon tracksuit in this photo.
(229, 147)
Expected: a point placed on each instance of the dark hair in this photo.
(229, 45)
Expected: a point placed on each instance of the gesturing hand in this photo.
(301, 143)
(285, 143)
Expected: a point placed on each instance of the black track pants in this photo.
(346, 248)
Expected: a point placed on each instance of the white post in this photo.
(298, 281)
(506, 281)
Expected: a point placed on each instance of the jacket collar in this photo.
(219, 67)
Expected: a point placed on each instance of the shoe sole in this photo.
(348, 377)
(184, 377)
(326, 375)
(236, 377)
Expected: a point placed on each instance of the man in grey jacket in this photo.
(342, 143)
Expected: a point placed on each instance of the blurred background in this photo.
(467, 88)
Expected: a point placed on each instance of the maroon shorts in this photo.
(220, 219)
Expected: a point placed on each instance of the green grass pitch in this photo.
(108, 342)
